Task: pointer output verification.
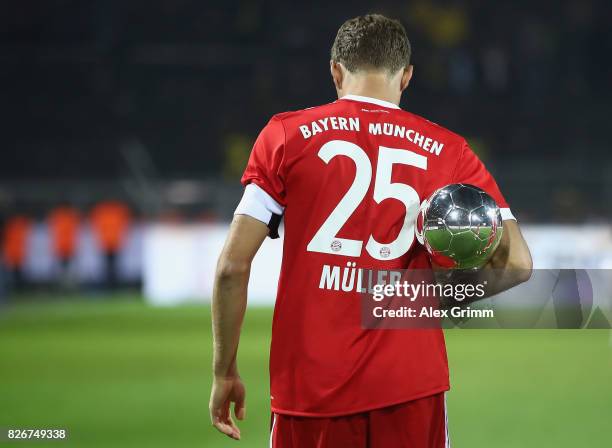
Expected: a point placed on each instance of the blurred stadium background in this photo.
(125, 128)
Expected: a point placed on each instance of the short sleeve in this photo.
(265, 167)
(470, 170)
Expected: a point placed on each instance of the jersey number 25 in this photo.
(326, 241)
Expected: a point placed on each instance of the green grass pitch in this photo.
(117, 373)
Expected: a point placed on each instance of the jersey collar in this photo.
(367, 99)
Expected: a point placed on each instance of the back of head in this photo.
(371, 43)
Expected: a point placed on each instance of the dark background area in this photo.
(155, 104)
(127, 98)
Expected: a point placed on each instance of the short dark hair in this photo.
(371, 42)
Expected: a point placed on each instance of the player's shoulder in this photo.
(312, 111)
(434, 128)
(290, 122)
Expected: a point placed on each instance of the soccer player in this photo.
(347, 178)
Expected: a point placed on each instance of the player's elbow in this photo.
(231, 270)
(522, 264)
(516, 254)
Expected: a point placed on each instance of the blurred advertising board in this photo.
(179, 261)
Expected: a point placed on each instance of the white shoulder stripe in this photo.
(506, 214)
(258, 204)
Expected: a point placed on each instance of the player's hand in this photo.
(227, 390)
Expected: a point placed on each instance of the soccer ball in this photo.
(460, 225)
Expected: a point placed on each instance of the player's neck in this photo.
(372, 86)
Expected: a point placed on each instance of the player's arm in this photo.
(228, 306)
(258, 215)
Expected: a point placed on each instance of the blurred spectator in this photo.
(495, 68)
(15, 239)
(462, 72)
(237, 151)
(446, 25)
(110, 221)
(64, 226)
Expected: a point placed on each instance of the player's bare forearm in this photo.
(230, 290)
(228, 306)
(509, 266)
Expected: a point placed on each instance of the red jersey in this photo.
(350, 176)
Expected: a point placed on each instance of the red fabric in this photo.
(471, 170)
(14, 245)
(416, 424)
(64, 226)
(111, 221)
(322, 362)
